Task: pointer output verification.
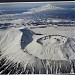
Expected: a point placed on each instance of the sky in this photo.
(65, 4)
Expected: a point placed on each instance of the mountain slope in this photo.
(40, 54)
(54, 47)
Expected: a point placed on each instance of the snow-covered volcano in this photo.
(43, 8)
(39, 53)
(48, 47)
(52, 47)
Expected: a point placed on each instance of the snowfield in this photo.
(38, 50)
(40, 40)
(59, 30)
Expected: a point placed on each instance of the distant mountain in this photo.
(43, 8)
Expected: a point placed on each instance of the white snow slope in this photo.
(54, 47)
(45, 47)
